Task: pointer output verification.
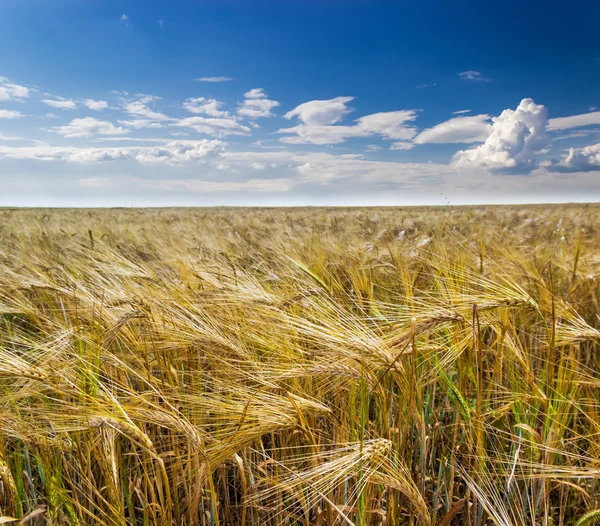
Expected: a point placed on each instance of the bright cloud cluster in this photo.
(516, 139)
(582, 159)
(256, 104)
(205, 106)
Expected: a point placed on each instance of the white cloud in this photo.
(139, 124)
(141, 108)
(321, 112)
(10, 114)
(124, 18)
(574, 121)
(88, 126)
(214, 79)
(372, 148)
(61, 103)
(476, 128)
(176, 152)
(10, 90)
(213, 126)
(161, 23)
(581, 159)
(256, 104)
(517, 137)
(96, 105)
(402, 145)
(320, 135)
(390, 125)
(473, 75)
(460, 112)
(172, 152)
(205, 106)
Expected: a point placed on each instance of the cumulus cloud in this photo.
(581, 159)
(10, 90)
(60, 103)
(390, 125)
(476, 128)
(321, 112)
(88, 127)
(516, 139)
(256, 104)
(139, 124)
(95, 105)
(140, 107)
(205, 106)
(177, 152)
(10, 114)
(217, 127)
(574, 121)
(213, 79)
(401, 145)
(473, 75)
(320, 135)
(172, 152)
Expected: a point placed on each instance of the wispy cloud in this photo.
(10, 114)
(11, 91)
(124, 19)
(214, 79)
(575, 121)
(476, 128)
(319, 117)
(473, 75)
(61, 103)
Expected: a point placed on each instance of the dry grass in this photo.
(300, 367)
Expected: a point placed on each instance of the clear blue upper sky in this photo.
(298, 102)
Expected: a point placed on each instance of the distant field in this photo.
(357, 366)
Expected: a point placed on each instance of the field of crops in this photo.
(418, 366)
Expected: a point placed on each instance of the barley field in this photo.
(341, 366)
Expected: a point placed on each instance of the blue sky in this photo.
(106, 103)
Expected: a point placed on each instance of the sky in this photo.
(298, 102)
